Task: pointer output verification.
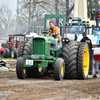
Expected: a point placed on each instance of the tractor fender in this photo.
(1, 49)
(10, 45)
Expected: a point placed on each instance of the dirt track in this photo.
(12, 88)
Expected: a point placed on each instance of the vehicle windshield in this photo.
(75, 29)
(21, 38)
(18, 38)
(28, 38)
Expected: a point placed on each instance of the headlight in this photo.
(63, 40)
(66, 40)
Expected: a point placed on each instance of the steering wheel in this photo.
(54, 34)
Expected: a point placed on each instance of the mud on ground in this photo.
(12, 88)
(12, 63)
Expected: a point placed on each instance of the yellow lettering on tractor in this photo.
(48, 41)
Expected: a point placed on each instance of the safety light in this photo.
(63, 40)
(98, 16)
(87, 21)
(61, 20)
(66, 40)
(24, 33)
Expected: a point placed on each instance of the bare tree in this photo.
(30, 10)
(59, 7)
(69, 8)
(92, 4)
(6, 20)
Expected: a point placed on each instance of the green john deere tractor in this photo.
(37, 56)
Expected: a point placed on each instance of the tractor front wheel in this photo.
(20, 70)
(59, 69)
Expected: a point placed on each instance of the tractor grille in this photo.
(38, 46)
(38, 40)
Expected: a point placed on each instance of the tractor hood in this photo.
(42, 45)
(49, 39)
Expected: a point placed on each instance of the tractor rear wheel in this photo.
(28, 48)
(4, 45)
(8, 46)
(20, 70)
(59, 69)
(20, 49)
(69, 54)
(6, 53)
(76, 57)
(13, 53)
(83, 61)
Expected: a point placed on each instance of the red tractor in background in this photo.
(12, 44)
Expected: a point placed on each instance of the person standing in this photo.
(86, 39)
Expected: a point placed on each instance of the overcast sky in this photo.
(12, 4)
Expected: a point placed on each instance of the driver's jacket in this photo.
(55, 30)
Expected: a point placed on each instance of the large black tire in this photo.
(83, 61)
(13, 53)
(20, 71)
(8, 46)
(20, 49)
(4, 45)
(59, 69)
(28, 48)
(7, 52)
(69, 54)
(4, 54)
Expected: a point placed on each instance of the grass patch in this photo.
(9, 59)
(12, 69)
(9, 70)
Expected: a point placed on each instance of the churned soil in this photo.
(12, 88)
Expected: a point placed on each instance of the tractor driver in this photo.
(54, 30)
(55, 33)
